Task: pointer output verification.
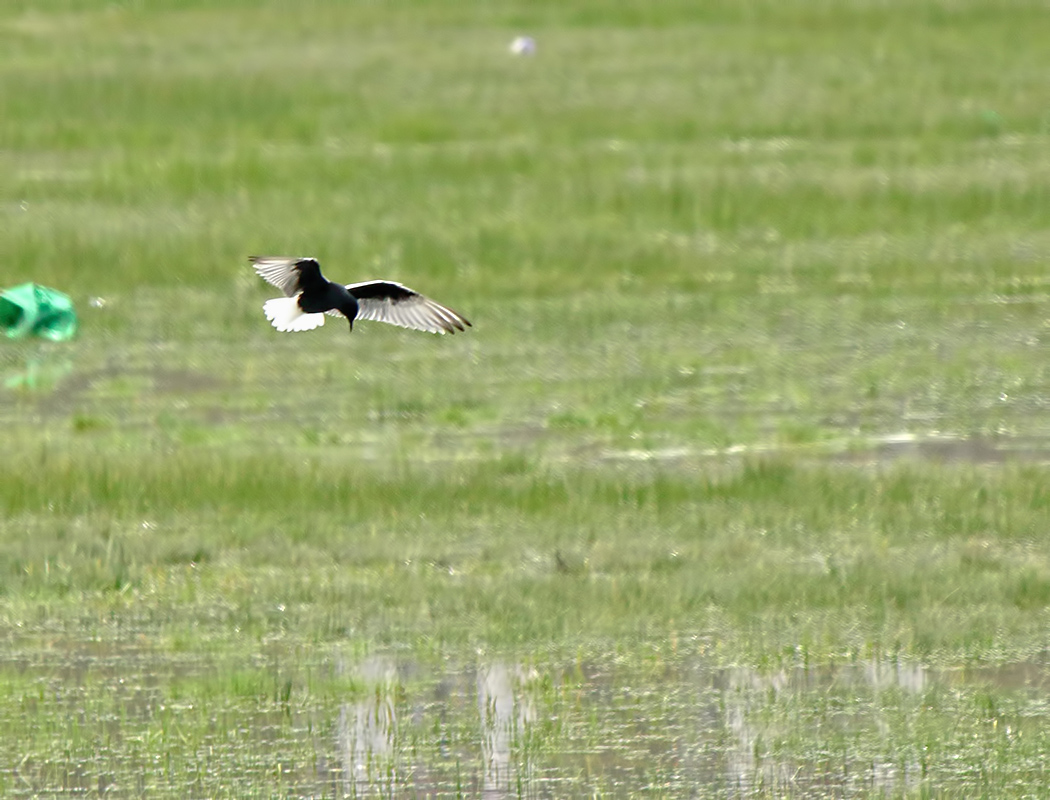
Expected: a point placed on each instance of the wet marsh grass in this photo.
(758, 558)
(166, 725)
(757, 382)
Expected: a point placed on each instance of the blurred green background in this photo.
(757, 381)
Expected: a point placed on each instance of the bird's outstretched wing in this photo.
(290, 275)
(393, 303)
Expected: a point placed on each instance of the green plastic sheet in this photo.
(33, 310)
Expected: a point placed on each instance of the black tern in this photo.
(309, 296)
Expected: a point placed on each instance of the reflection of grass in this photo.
(34, 368)
(687, 237)
(290, 725)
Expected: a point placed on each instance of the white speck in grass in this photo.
(24, 205)
(148, 525)
(1003, 396)
(97, 302)
(523, 46)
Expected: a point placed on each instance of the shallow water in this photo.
(97, 718)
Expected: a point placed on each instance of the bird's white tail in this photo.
(285, 315)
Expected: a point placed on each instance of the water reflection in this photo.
(724, 742)
(506, 710)
(504, 727)
(366, 728)
(747, 694)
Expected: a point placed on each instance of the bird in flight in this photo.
(309, 296)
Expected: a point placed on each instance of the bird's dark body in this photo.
(319, 294)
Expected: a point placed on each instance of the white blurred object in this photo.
(523, 46)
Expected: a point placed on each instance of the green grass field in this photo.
(737, 487)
